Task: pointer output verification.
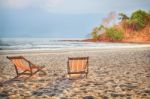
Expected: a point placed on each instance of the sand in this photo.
(121, 73)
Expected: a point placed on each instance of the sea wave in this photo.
(46, 43)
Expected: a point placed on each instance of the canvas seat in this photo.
(24, 66)
(78, 66)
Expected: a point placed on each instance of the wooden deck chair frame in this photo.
(28, 71)
(78, 72)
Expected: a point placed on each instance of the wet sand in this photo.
(122, 73)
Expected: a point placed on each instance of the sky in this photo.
(60, 18)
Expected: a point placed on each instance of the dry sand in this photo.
(113, 74)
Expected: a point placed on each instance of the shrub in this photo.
(114, 34)
(139, 19)
(94, 33)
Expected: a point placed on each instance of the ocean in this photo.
(58, 43)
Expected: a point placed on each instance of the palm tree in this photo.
(123, 16)
(124, 19)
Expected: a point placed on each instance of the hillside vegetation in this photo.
(134, 28)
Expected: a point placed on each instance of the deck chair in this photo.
(24, 66)
(78, 66)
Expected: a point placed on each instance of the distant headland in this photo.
(130, 29)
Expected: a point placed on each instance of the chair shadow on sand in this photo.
(77, 68)
(57, 87)
(4, 94)
(14, 80)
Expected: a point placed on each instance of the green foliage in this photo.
(114, 34)
(123, 16)
(101, 27)
(94, 33)
(139, 19)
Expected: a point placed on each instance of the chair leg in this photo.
(38, 71)
(43, 72)
(16, 76)
(19, 74)
(86, 75)
(69, 76)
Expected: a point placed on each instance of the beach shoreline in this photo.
(73, 49)
(131, 42)
(113, 73)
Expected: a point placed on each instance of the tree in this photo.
(139, 19)
(114, 34)
(101, 27)
(123, 16)
(95, 33)
(124, 20)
